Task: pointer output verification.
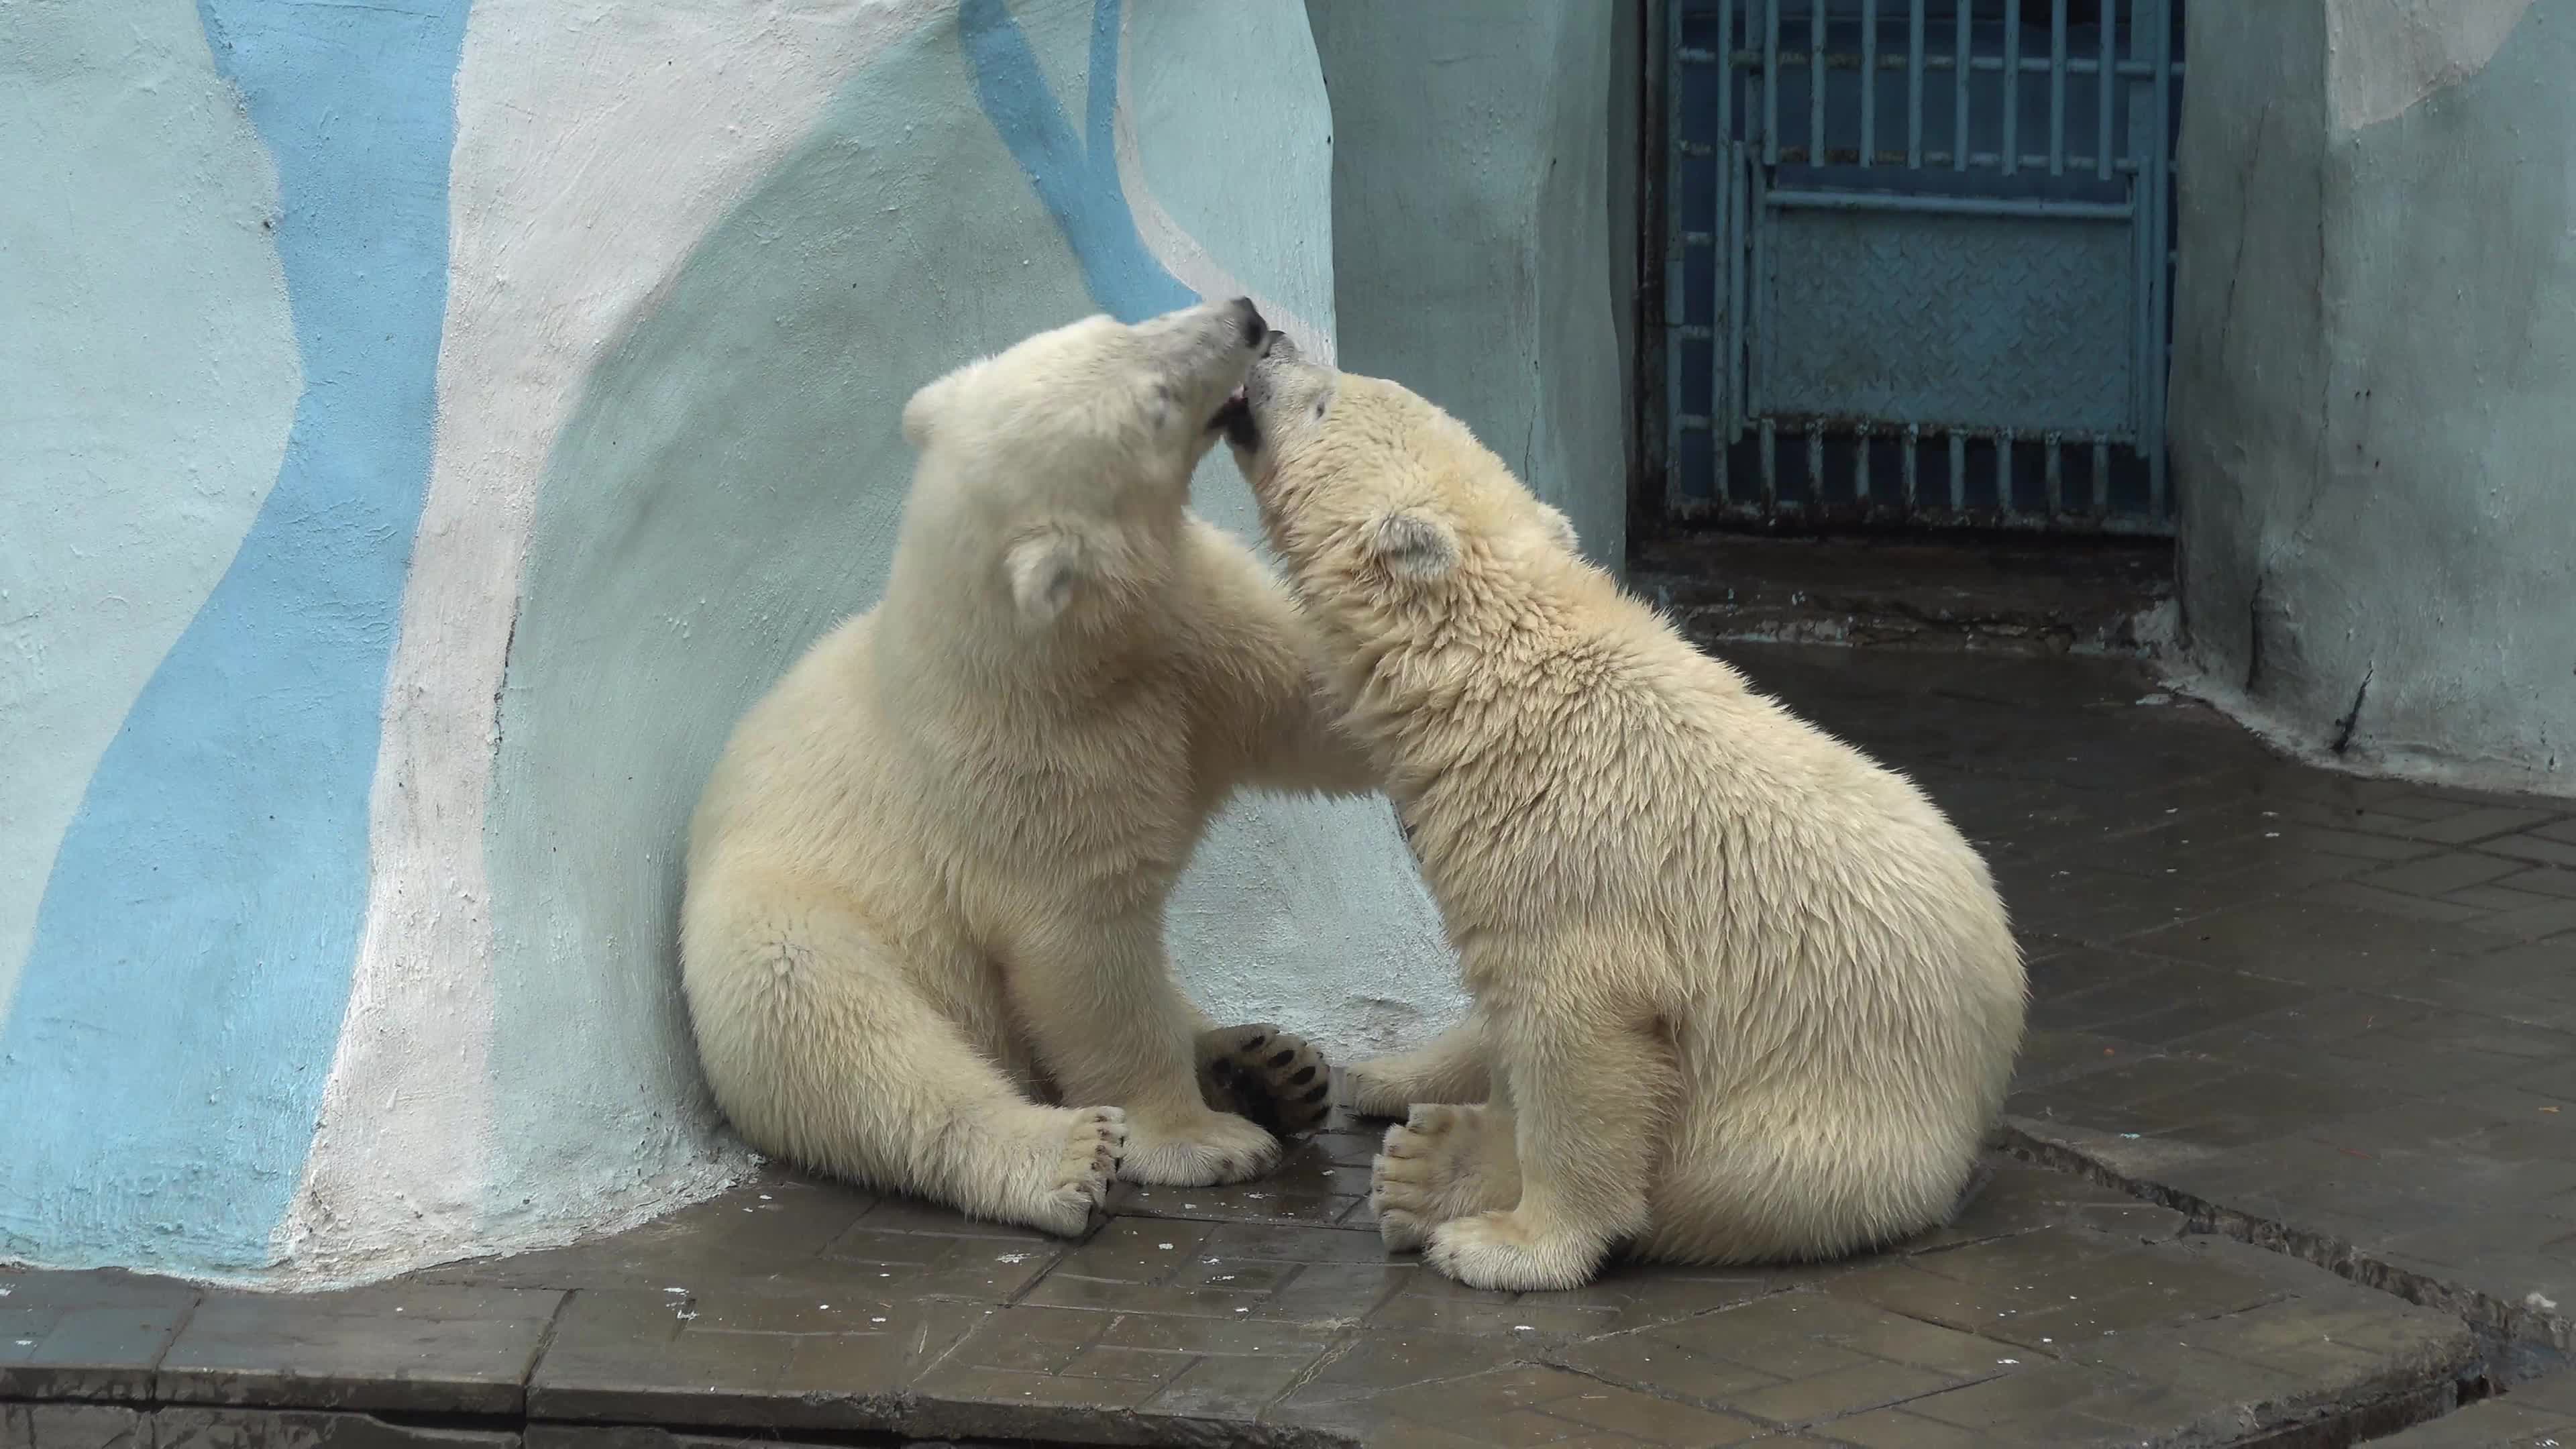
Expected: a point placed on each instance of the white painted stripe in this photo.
(1178, 251)
(597, 142)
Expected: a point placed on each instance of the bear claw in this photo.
(1261, 1073)
(1095, 1144)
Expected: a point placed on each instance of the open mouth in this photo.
(1234, 417)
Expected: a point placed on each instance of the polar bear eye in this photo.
(1319, 409)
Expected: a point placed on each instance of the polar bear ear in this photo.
(1559, 527)
(921, 415)
(1413, 545)
(1043, 571)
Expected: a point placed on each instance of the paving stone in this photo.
(73, 1426)
(2437, 875)
(1527, 1404)
(235, 1428)
(86, 1335)
(422, 1348)
(2545, 881)
(742, 1361)
(2311, 943)
(2502, 1423)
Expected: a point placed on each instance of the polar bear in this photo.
(1738, 994)
(926, 880)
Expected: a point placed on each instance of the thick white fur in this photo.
(926, 880)
(1739, 994)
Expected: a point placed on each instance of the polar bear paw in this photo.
(1271, 1078)
(1379, 1088)
(1205, 1150)
(1094, 1143)
(1427, 1173)
(1502, 1251)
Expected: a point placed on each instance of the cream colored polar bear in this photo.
(1739, 994)
(926, 880)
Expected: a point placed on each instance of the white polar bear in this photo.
(1738, 993)
(926, 880)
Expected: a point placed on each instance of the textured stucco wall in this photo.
(2375, 351)
(445, 421)
(1472, 235)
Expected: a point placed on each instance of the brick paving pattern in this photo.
(2323, 1015)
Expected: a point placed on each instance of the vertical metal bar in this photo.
(2057, 87)
(2056, 468)
(1676, 292)
(2101, 476)
(2141, 230)
(2012, 86)
(1816, 465)
(1815, 82)
(1756, 293)
(1958, 460)
(1861, 444)
(1914, 88)
(1723, 240)
(1770, 470)
(2104, 80)
(2003, 452)
(1738, 356)
(2157, 269)
(1963, 49)
(1913, 446)
(1770, 82)
(1868, 81)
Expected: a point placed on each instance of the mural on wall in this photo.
(357, 950)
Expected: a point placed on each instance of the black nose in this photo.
(1248, 317)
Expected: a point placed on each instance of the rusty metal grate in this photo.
(1917, 265)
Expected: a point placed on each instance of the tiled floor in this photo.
(2054, 1311)
(2319, 1014)
(2340, 1006)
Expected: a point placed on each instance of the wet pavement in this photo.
(2288, 1167)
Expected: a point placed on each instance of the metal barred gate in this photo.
(1917, 261)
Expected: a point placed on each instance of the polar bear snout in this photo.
(1247, 317)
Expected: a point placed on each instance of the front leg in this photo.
(1590, 1102)
(1449, 1068)
(1097, 998)
(1270, 722)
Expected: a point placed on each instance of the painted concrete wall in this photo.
(1472, 237)
(443, 423)
(2374, 360)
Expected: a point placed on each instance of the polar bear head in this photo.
(1060, 467)
(1376, 499)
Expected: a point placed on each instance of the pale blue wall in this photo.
(1474, 250)
(2374, 364)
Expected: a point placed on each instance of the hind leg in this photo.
(1451, 1067)
(821, 1052)
(1097, 998)
(1589, 1106)
(1439, 1164)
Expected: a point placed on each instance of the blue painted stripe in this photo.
(1079, 185)
(164, 1061)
